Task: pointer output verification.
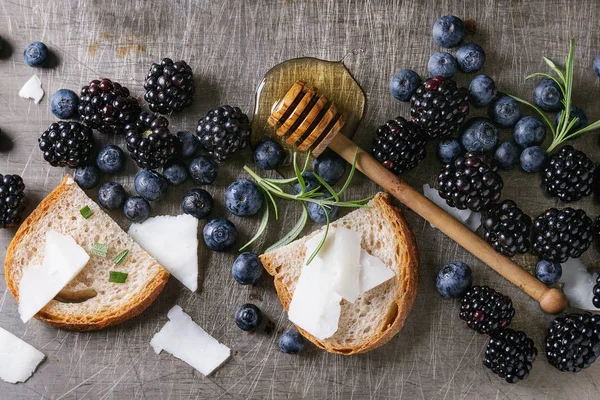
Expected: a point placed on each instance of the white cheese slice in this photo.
(373, 272)
(18, 360)
(187, 341)
(467, 217)
(579, 284)
(32, 89)
(346, 253)
(63, 260)
(173, 242)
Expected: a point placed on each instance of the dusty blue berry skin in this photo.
(291, 342)
(547, 95)
(507, 154)
(247, 269)
(453, 280)
(219, 234)
(36, 54)
(197, 202)
(442, 64)
(203, 170)
(63, 104)
(269, 155)
(548, 272)
(243, 198)
(404, 83)
(310, 183)
(482, 90)
(189, 144)
(111, 195)
(449, 31)
(470, 57)
(248, 317)
(533, 159)
(136, 209)
(87, 177)
(317, 214)
(150, 185)
(505, 111)
(175, 172)
(479, 135)
(576, 112)
(110, 159)
(597, 66)
(530, 131)
(449, 149)
(330, 167)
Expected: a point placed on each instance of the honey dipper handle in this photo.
(551, 300)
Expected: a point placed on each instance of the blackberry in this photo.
(67, 144)
(573, 341)
(149, 141)
(169, 86)
(507, 228)
(224, 131)
(107, 106)
(439, 107)
(399, 145)
(596, 183)
(569, 175)
(510, 355)
(486, 310)
(596, 291)
(12, 200)
(560, 234)
(470, 181)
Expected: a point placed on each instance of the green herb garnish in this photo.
(273, 188)
(564, 80)
(99, 249)
(117, 277)
(85, 212)
(121, 257)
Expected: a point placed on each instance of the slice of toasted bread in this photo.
(378, 314)
(113, 302)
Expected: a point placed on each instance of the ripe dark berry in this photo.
(454, 279)
(510, 355)
(63, 104)
(12, 200)
(470, 57)
(150, 185)
(330, 167)
(188, 144)
(547, 95)
(111, 195)
(479, 135)
(404, 83)
(573, 341)
(169, 86)
(569, 175)
(533, 159)
(36, 54)
(529, 131)
(269, 155)
(576, 112)
(219, 234)
(87, 176)
(486, 310)
(203, 170)
(507, 228)
(291, 342)
(243, 198)
(136, 209)
(197, 202)
(442, 64)
(67, 144)
(449, 31)
(248, 317)
(596, 292)
(247, 269)
(504, 111)
(110, 159)
(449, 149)
(149, 141)
(310, 183)
(482, 90)
(548, 272)
(224, 131)
(320, 214)
(175, 172)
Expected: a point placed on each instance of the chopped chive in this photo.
(117, 277)
(85, 212)
(99, 249)
(121, 257)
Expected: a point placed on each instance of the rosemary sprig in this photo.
(323, 195)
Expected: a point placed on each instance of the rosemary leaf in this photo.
(299, 176)
(554, 68)
(350, 175)
(323, 238)
(293, 233)
(543, 75)
(327, 186)
(261, 228)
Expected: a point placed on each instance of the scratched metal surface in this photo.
(230, 45)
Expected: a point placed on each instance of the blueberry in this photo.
(533, 159)
(597, 65)
(548, 272)
(110, 159)
(203, 170)
(219, 234)
(189, 144)
(150, 185)
(111, 195)
(530, 131)
(136, 209)
(243, 198)
(269, 155)
(310, 183)
(449, 149)
(482, 90)
(442, 64)
(470, 57)
(330, 167)
(247, 269)
(175, 172)
(507, 155)
(197, 202)
(404, 83)
(63, 104)
(547, 95)
(291, 342)
(479, 135)
(454, 279)
(317, 214)
(505, 111)
(576, 112)
(449, 31)
(87, 177)
(36, 54)
(248, 317)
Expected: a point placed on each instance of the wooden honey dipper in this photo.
(306, 119)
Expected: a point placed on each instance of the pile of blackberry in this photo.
(149, 141)
(107, 106)
(510, 354)
(399, 145)
(67, 143)
(507, 228)
(573, 341)
(224, 131)
(169, 86)
(439, 107)
(470, 181)
(569, 175)
(12, 200)
(558, 235)
(486, 310)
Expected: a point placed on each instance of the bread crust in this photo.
(407, 279)
(64, 321)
